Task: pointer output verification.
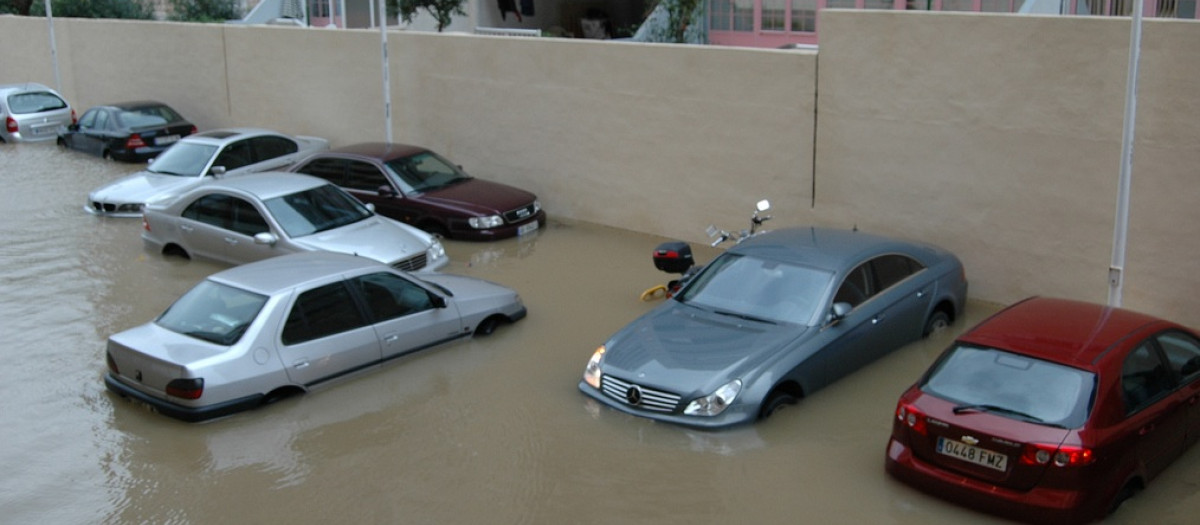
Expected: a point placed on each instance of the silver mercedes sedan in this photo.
(256, 333)
(772, 320)
(252, 217)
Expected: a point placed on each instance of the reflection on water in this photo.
(488, 430)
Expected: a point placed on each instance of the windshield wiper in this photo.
(983, 407)
(744, 316)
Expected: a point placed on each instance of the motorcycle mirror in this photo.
(763, 205)
(712, 231)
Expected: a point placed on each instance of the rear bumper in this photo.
(1039, 505)
(185, 413)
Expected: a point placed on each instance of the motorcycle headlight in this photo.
(592, 373)
(480, 223)
(716, 402)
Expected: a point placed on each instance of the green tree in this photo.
(15, 7)
(204, 10)
(442, 10)
(680, 14)
(135, 9)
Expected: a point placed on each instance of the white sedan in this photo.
(252, 217)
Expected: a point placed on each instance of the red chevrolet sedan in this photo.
(1050, 411)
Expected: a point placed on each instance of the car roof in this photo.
(830, 248)
(26, 86)
(136, 104)
(384, 151)
(267, 184)
(1070, 332)
(277, 274)
(227, 135)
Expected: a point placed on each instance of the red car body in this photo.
(972, 431)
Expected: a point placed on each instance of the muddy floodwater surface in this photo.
(490, 430)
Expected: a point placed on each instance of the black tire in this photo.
(1127, 492)
(487, 326)
(777, 401)
(937, 322)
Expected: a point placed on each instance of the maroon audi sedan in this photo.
(419, 187)
(1050, 411)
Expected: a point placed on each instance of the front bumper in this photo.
(736, 414)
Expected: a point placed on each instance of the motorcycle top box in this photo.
(673, 257)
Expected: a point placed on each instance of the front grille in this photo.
(647, 398)
(520, 214)
(411, 264)
(104, 207)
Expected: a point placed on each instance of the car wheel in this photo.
(106, 155)
(937, 322)
(1128, 491)
(777, 401)
(487, 326)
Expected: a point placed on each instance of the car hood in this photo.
(142, 187)
(686, 349)
(479, 197)
(471, 295)
(377, 238)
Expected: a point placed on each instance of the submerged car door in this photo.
(326, 336)
(1156, 415)
(1183, 355)
(88, 136)
(407, 316)
(222, 227)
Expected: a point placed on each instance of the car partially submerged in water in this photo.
(259, 332)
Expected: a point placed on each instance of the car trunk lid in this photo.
(149, 357)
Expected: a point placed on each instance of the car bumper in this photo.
(102, 211)
(465, 233)
(185, 413)
(1039, 505)
(736, 414)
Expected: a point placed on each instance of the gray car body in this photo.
(125, 196)
(32, 126)
(377, 237)
(259, 367)
(691, 351)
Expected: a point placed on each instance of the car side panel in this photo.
(320, 360)
(419, 331)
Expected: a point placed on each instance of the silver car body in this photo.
(258, 232)
(248, 335)
(199, 157)
(31, 112)
(788, 320)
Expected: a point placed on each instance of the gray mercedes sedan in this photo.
(772, 320)
(259, 332)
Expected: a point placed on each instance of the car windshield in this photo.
(1012, 385)
(760, 289)
(184, 159)
(316, 210)
(213, 312)
(35, 102)
(426, 172)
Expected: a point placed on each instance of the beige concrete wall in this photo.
(995, 136)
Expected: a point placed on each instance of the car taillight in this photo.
(186, 388)
(73, 120)
(1065, 456)
(135, 141)
(145, 223)
(194, 130)
(10, 124)
(912, 418)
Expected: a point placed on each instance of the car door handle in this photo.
(877, 319)
(391, 339)
(920, 294)
(300, 365)
(186, 228)
(231, 241)
(1146, 429)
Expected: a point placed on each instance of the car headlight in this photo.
(436, 250)
(537, 206)
(130, 208)
(591, 373)
(716, 402)
(480, 223)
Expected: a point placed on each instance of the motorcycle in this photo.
(676, 256)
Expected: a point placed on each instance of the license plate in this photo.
(527, 228)
(972, 454)
(166, 139)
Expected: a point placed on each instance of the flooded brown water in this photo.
(485, 431)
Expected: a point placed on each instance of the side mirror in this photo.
(438, 300)
(385, 191)
(370, 206)
(217, 171)
(73, 127)
(838, 312)
(266, 238)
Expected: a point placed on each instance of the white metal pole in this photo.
(1116, 270)
(53, 47)
(387, 84)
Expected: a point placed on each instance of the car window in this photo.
(426, 171)
(184, 159)
(214, 209)
(856, 288)
(332, 170)
(1144, 378)
(322, 312)
(235, 156)
(102, 121)
(88, 119)
(246, 219)
(1183, 354)
(364, 176)
(389, 296)
(271, 146)
(213, 312)
(35, 102)
(891, 269)
(141, 118)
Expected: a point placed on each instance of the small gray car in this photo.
(261, 215)
(31, 112)
(256, 333)
(772, 320)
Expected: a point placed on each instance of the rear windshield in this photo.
(216, 313)
(35, 102)
(148, 116)
(1012, 385)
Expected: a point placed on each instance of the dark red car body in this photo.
(1141, 413)
(372, 173)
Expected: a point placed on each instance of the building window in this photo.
(732, 15)
(804, 15)
(774, 15)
